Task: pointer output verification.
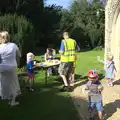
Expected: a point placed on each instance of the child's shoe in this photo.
(70, 88)
(31, 90)
(111, 84)
(64, 89)
(14, 103)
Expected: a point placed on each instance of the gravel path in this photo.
(111, 100)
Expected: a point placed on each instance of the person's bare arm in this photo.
(115, 68)
(85, 88)
(34, 67)
(100, 88)
(61, 52)
(45, 57)
(18, 53)
(108, 64)
(62, 48)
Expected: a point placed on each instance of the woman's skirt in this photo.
(9, 84)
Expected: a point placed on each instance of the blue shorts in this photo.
(97, 105)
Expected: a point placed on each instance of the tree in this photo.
(32, 10)
(51, 25)
(82, 16)
(21, 31)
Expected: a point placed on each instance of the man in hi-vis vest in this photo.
(68, 58)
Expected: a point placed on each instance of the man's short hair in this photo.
(65, 34)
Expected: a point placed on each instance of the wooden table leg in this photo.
(45, 76)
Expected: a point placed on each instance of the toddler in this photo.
(94, 94)
(30, 71)
(110, 67)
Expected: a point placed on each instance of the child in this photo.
(94, 94)
(49, 56)
(110, 67)
(30, 71)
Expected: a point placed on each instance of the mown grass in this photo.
(47, 102)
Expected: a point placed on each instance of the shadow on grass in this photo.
(45, 103)
(48, 103)
(24, 74)
(59, 79)
(79, 77)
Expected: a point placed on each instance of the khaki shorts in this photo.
(66, 68)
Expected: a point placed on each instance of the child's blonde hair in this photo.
(110, 57)
(30, 56)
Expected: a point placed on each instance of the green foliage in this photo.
(39, 25)
(66, 22)
(88, 19)
(51, 25)
(21, 31)
(32, 10)
(44, 19)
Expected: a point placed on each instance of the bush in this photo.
(21, 32)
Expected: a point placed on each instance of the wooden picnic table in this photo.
(46, 65)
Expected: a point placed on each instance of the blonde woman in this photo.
(10, 88)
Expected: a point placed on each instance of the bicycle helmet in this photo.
(92, 74)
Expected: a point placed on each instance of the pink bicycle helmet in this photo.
(92, 74)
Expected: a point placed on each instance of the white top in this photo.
(8, 52)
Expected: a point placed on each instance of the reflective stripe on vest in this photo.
(69, 53)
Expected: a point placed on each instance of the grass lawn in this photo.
(47, 103)
(88, 60)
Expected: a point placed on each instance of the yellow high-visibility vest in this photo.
(69, 52)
